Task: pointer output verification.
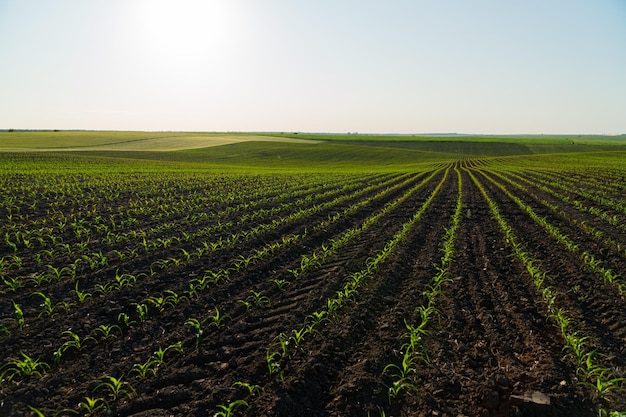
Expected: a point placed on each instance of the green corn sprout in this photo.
(37, 412)
(217, 319)
(75, 342)
(280, 283)
(104, 289)
(125, 320)
(24, 367)
(197, 326)
(605, 382)
(252, 389)
(46, 304)
(258, 298)
(158, 302)
(142, 369)
(19, 315)
(107, 331)
(159, 354)
(400, 385)
(227, 410)
(93, 405)
(172, 298)
(116, 387)
(12, 283)
(81, 295)
(142, 312)
(298, 335)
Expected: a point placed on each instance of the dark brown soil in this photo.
(490, 345)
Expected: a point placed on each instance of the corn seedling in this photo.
(172, 298)
(253, 390)
(142, 369)
(272, 358)
(19, 315)
(280, 283)
(246, 304)
(21, 368)
(298, 335)
(405, 369)
(401, 385)
(107, 331)
(12, 283)
(314, 319)
(228, 410)
(605, 382)
(81, 295)
(47, 307)
(36, 412)
(142, 311)
(158, 302)
(92, 405)
(159, 354)
(125, 320)
(258, 298)
(116, 387)
(104, 289)
(75, 342)
(197, 327)
(577, 346)
(217, 319)
(591, 368)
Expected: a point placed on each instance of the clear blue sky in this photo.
(403, 66)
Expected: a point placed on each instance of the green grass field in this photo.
(126, 141)
(92, 151)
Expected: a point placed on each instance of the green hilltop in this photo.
(291, 152)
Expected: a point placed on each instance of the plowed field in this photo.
(295, 295)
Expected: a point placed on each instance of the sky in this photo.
(392, 66)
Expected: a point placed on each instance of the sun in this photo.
(183, 28)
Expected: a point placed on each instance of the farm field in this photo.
(314, 279)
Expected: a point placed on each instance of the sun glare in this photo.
(182, 29)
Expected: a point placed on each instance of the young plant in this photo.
(227, 410)
(142, 312)
(217, 319)
(24, 367)
(124, 319)
(159, 354)
(81, 295)
(605, 382)
(158, 302)
(197, 327)
(252, 389)
(75, 342)
(246, 303)
(12, 283)
(46, 304)
(172, 298)
(19, 314)
(116, 387)
(280, 283)
(93, 405)
(258, 298)
(400, 385)
(104, 289)
(142, 369)
(107, 331)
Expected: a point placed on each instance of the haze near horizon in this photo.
(486, 67)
